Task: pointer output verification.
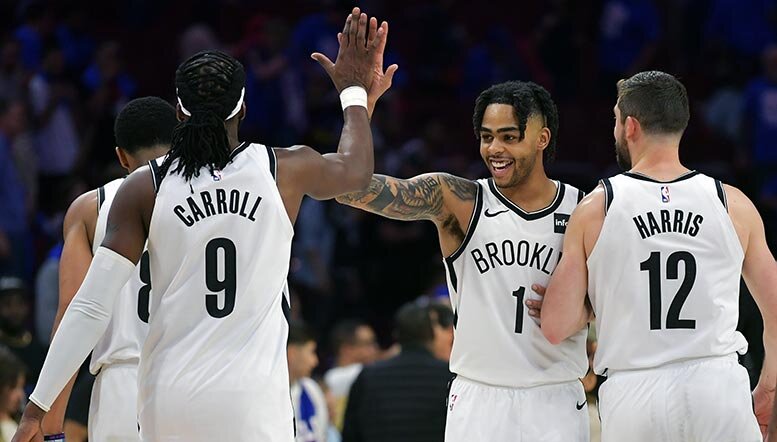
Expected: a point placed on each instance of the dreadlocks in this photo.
(209, 84)
(527, 99)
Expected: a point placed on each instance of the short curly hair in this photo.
(527, 98)
(143, 123)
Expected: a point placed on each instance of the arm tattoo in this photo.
(413, 199)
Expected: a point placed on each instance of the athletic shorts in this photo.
(700, 400)
(547, 413)
(113, 415)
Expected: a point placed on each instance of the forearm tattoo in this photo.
(413, 199)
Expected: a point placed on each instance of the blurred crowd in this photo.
(67, 68)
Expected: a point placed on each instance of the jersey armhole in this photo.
(580, 195)
(721, 193)
(156, 175)
(473, 222)
(608, 194)
(100, 197)
(273, 162)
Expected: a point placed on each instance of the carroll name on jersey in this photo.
(217, 202)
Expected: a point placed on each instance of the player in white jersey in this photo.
(660, 250)
(218, 217)
(500, 236)
(143, 130)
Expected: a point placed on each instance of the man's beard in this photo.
(622, 155)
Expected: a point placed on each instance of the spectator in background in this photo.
(12, 75)
(746, 28)
(310, 408)
(53, 99)
(354, 346)
(14, 314)
(73, 36)
(442, 325)
(629, 34)
(37, 26)
(11, 393)
(759, 125)
(14, 242)
(402, 398)
(47, 294)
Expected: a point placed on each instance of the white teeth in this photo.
(499, 164)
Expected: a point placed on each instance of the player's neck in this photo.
(659, 160)
(234, 141)
(536, 193)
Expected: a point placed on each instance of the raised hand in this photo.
(355, 61)
(382, 80)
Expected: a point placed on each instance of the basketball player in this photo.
(218, 217)
(500, 236)
(659, 250)
(143, 130)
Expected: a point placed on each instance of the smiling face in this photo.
(510, 159)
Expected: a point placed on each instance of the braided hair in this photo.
(209, 85)
(527, 98)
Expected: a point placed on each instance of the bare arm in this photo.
(445, 199)
(74, 263)
(760, 273)
(564, 309)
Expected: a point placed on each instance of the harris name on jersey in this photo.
(217, 202)
(677, 221)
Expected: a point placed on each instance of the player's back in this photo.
(664, 273)
(128, 327)
(219, 248)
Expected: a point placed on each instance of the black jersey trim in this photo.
(580, 195)
(452, 275)
(473, 223)
(608, 194)
(100, 197)
(240, 147)
(156, 175)
(639, 176)
(285, 307)
(530, 216)
(273, 162)
(721, 193)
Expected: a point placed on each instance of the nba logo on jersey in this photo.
(216, 175)
(664, 194)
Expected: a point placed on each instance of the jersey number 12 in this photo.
(653, 266)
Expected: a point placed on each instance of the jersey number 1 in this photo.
(653, 266)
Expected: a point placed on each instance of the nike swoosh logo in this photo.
(580, 406)
(491, 215)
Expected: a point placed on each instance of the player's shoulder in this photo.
(84, 208)
(593, 202)
(737, 203)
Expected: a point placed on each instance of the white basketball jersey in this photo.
(505, 251)
(219, 248)
(129, 324)
(664, 274)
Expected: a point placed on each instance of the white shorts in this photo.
(700, 400)
(193, 414)
(548, 413)
(113, 415)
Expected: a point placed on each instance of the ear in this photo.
(122, 156)
(631, 127)
(242, 114)
(543, 140)
(179, 113)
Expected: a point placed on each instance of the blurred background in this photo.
(68, 67)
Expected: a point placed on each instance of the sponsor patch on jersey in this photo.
(560, 222)
(664, 194)
(216, 175)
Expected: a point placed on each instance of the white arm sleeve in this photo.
(83, 324)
